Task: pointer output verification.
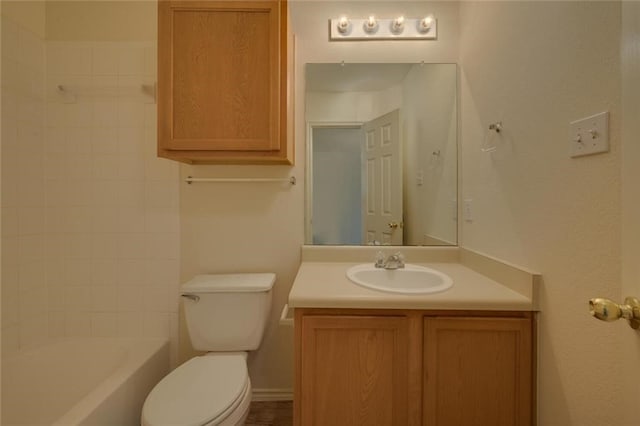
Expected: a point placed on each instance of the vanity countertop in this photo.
(325, 285)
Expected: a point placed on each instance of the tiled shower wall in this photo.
(90, 215)
(112, 208)
(24, 291)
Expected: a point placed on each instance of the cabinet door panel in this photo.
(223, 90)
(354, 370)
(477, 371)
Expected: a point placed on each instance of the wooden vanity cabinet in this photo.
(477, 371)
(223, 94)
(411, 367)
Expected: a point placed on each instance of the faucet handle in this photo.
(379, 260)
(400, 259)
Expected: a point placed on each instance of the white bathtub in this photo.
(82, 381)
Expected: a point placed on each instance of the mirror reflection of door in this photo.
(336, 184)
(383, 185)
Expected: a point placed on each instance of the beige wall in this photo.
(28, 14)
(630, 199)
(536, 66)
(96, 20)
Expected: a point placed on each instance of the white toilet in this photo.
(226, 316)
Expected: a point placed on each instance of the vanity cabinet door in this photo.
(353, 370)
(477, 371)
(222, 81)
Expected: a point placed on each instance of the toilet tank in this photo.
(227, 312)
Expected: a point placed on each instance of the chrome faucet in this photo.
(393, 261)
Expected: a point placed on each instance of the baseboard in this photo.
(272, 395)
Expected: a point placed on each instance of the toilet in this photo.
(226, 316)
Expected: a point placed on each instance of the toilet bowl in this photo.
(226, 315)
(212, 389)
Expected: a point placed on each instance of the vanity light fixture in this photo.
(425, 24)
(374, 28)
(370, 25)
(397, 25)
(344, 25)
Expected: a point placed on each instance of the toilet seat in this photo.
(203, 391)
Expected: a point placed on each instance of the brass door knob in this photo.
(608, 310)
(393, 225)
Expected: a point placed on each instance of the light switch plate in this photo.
(589, 135)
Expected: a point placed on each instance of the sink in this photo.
(412, 279)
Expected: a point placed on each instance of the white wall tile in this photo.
(78, 299)
(78, 324)
(105, 113)
(155, 324)
(105, 60)
(10, 340)
(104, 299)
(162, 194)
(111, 214)
(162, 219)
(132, 245)
(78, 272)
(104, 272)
(56, 324)
(131, 219)
(55, 140)
(151, 60)
(163, 273)
(131, 61)
(131, 140)
(104, 324)
(104, 191)
(33, 330)
(31, 276)
(105, 245)
(30, 50)
(104, 140)
(163, 245)
(78, 246)
(10, 47)
(129, 324)
(79, 139)
(130, 298)
(156, 299)
(105, 166)
(10, 221)
(106, 219)
(132, 272)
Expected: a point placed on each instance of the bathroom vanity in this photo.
(462, 356)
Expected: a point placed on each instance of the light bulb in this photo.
(397, 25)
(370, 24)
(425, 24)
(344, 25)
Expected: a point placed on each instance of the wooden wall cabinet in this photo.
(223, 86)
(397, 367)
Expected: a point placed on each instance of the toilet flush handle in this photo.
(193, 297)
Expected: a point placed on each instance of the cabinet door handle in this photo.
(608, 310)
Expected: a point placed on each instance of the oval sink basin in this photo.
(412, 279)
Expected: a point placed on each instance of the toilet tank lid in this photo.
(227, 283)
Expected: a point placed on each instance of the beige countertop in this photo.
(325, 285)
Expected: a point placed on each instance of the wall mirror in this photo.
(381, 154)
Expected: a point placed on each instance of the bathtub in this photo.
(90, 381)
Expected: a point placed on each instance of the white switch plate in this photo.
(589, 135)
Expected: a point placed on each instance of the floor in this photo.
(271, 413)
